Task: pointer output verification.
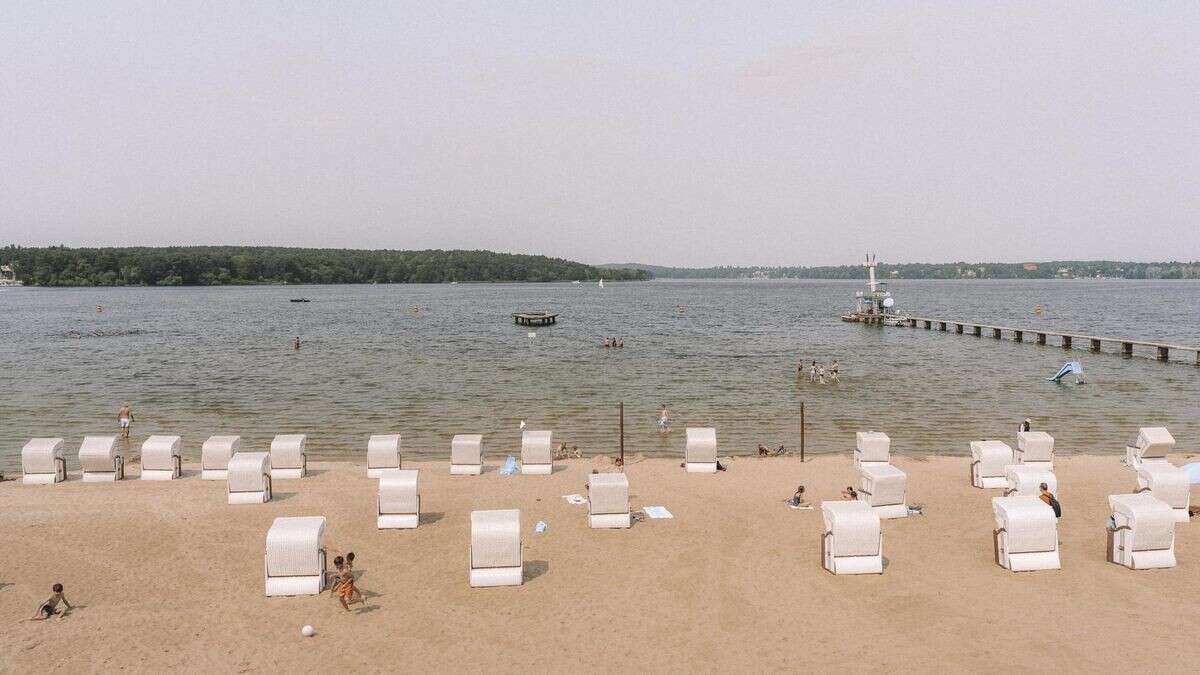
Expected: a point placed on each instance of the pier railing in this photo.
(1162, 350)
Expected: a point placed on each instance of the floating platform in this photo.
(535, 318)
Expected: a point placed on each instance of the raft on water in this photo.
(542, 318)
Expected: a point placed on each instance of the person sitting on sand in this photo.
(850, 493)
(1050, 500)
(49, 608)
(762, 450)
(797, 500)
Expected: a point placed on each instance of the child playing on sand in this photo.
(797, 500)
(343, 583)
(850, 493)
(49, 608)
(349, 566)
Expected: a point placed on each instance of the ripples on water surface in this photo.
(202, 361)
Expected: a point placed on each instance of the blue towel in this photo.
(510, 466)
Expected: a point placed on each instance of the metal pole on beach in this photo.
(802, 432)
(621, 407)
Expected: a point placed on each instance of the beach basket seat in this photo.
(852, 541)
(466, 455)
(1026, 479)
(1152, 446)
(1035, 448)
(872, 447)
(496, 558)
(383, 453)
(287, 456)
(399, 503)
(1026, 534)
(215, 454)
(249, 480)
(294, 561)
(162, 458)
(1142, 532)
(883, 488)
(537, 452)
(989, 459)
(700, 453)
(1168, 483)
(608, 500)
(101, 459)
(43, 462)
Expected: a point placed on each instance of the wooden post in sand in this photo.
(621, 407)
(802, 432)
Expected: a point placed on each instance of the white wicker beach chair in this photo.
(383, 453)
(1026, 534)
(883, 488)
(1035, 448)
(1152, 446)
(466, 455)
(872, 447)
(495, 554)
(287, 456)
(249, 479)
(295, 557)
(1168, 483)
(101, 459)
(1142, 534)
(988, 461)
(215, 454)
(162, 458)
(700, 454)
(42, 462)
(1026, 479)
(537, 452)
(608, 500)
(399, 501)
(852, 542)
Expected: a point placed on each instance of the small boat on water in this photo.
(875, 305)
(299, 300)
(601, 282)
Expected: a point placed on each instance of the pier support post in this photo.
(1041, 338)
(942, 326)
(1095, 345)
(977, 331)
(1126, 349)
(1019, 336)
(996, 333)
(1198, 357)
(928, 325)
(1164, 353)
(1066, 341)
(958, 328)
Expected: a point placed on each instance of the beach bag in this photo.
(1057, 507)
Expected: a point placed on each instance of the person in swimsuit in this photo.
(49, 608)
(343, 583)
(812, 372)
(833, 372)
(296, 343)
(797, 500)
(663, 420)
(1025, 425)
(125, 418)
(850, 493)
(349, 566)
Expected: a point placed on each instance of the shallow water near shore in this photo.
(429, 361)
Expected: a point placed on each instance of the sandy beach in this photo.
(167, 576)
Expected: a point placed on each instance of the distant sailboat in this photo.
(601, 282)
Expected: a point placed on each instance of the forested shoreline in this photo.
(244, 265)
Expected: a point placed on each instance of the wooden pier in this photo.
(535, 318)
(1162, 350)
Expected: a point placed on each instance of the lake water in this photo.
(203, 361)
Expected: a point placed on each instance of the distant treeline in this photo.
(221, 265)
(959, 270)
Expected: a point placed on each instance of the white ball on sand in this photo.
(308, 631)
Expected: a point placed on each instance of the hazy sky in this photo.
(689, 134)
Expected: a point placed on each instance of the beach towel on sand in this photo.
(657, 512)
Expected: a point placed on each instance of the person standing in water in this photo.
(663, 419)
(833, 372)
(812, 372)
(124, 419)
(296, 343)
